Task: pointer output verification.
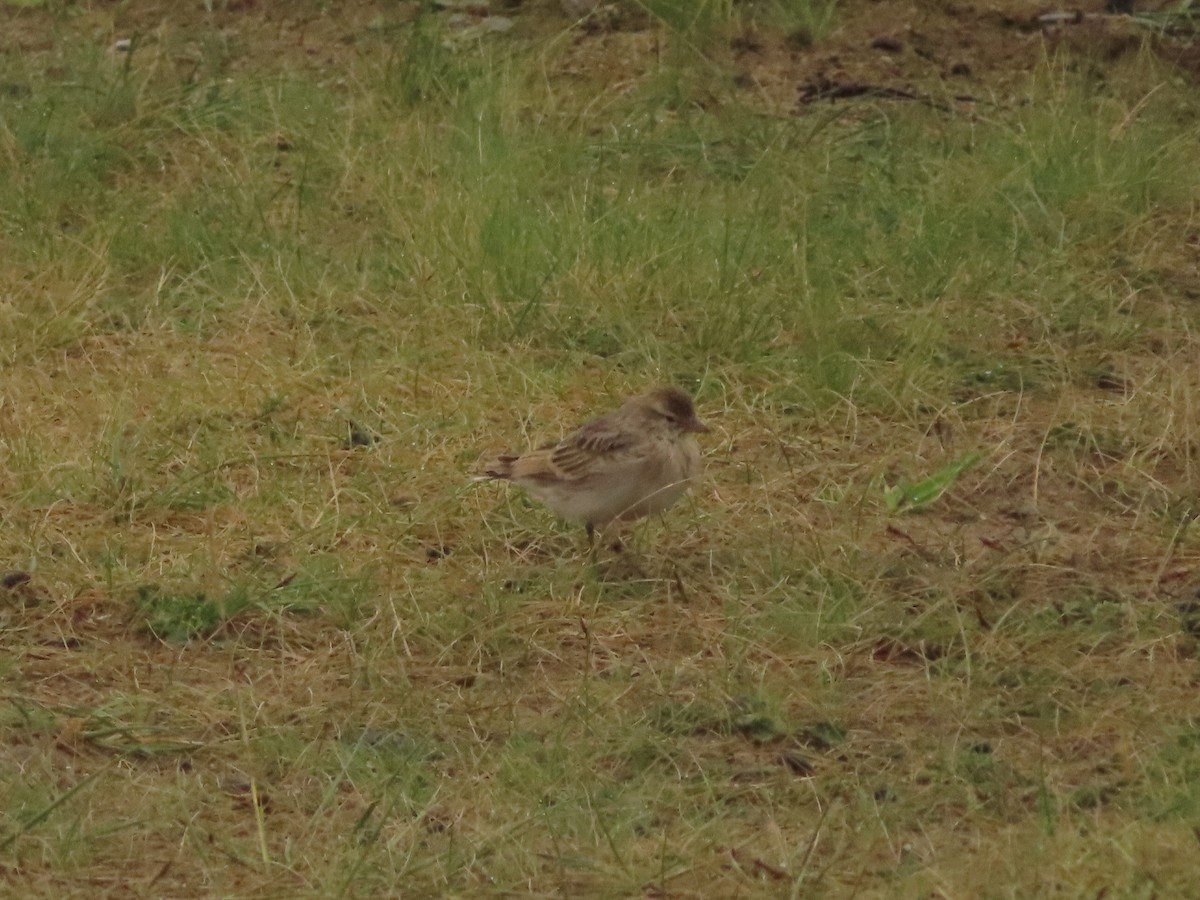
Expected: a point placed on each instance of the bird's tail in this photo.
(499, 469)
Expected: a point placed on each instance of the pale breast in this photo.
(670, 481)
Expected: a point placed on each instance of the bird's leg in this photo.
(591, 533)
(616, 546)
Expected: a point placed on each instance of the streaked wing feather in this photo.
(595, 450)
(600, 437)
(596, 446)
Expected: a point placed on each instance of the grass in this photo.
(267, 315)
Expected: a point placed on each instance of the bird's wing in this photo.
(598, 445)
(595, 449)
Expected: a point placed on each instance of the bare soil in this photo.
(936, 51)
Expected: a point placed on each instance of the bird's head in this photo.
(671, 406)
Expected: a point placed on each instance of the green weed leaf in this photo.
(903, 496)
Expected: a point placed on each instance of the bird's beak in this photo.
(695, 426)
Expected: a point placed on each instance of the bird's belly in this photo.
(629, 498)
(648, 504)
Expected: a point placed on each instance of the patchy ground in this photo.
(378, 679)
(939, 52)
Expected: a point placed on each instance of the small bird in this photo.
(632, 462)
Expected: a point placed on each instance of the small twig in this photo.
(920, 550)
(833, 90)
(753, 862)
